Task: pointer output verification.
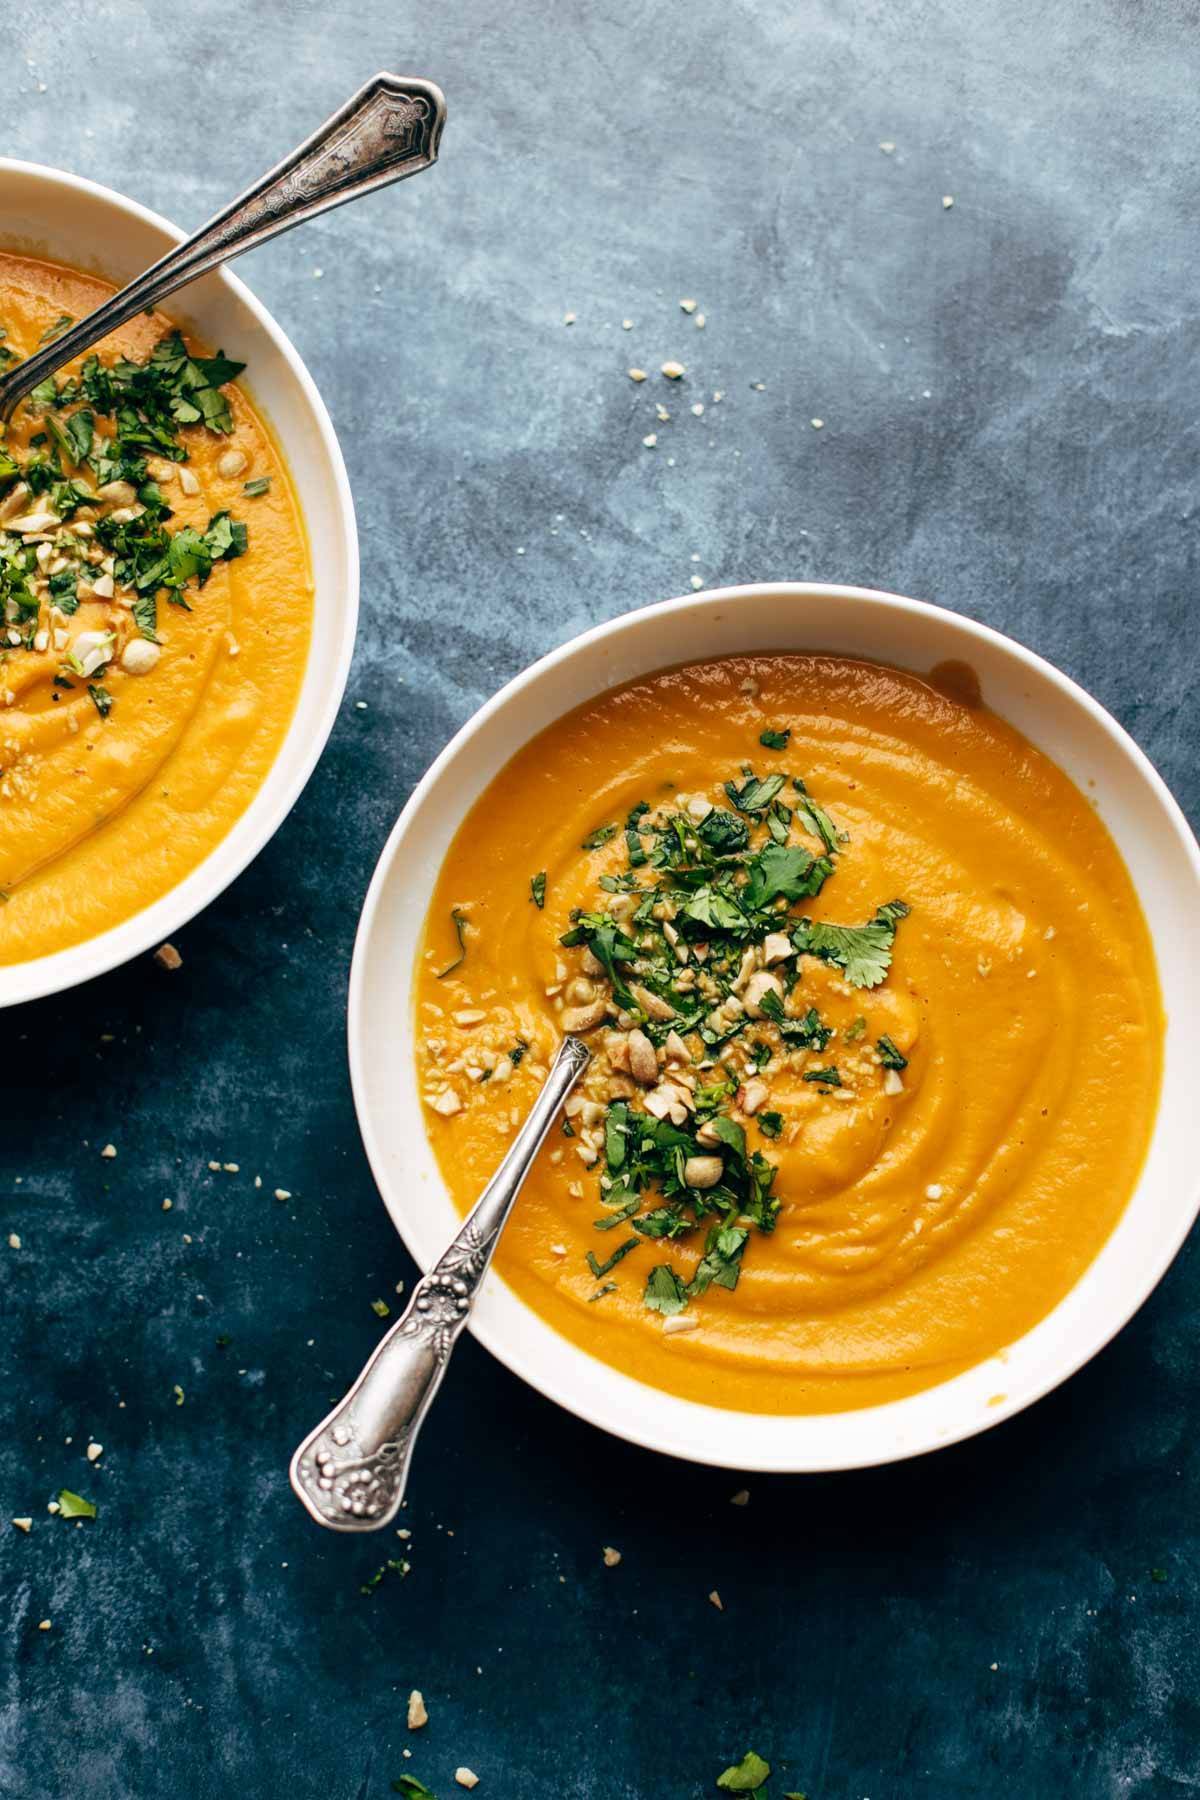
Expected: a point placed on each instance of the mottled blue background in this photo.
(1010, 392)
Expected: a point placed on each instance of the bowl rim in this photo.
(546, 1380)
(42, 976)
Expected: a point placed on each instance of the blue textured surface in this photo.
(1010, 394)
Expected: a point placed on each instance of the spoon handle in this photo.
(389, 129)
(351, 1471)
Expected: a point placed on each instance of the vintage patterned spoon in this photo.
(351, 1471)
(389, 129)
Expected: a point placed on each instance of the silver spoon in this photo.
(389, 129)
(351, 1471)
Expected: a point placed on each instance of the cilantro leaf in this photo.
(745, 1777)
(74, 1506)
(787, 871)
(889, 1055)
(863, 951)
(537, 889)
(595, 839)
(721, 1262)
(770, 1123)
(102, 700)
(775, 740)
(412, 1789)
(665, 1293)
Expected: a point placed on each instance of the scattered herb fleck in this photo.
(459, 920)
(74, 1506)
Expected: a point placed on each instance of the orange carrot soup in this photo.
(157, 602)
(875, 1021)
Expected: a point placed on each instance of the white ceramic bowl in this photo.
(45, 212)
(1057, 716)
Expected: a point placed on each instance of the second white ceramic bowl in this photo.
(46, 212)
(1058, 717)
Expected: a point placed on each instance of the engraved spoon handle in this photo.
(389, 129)
(351, 1471)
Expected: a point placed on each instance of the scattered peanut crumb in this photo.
(611, 1557)
(167, 1205)
(283, 1193)
(23, 1524)
(568, 318)
(650, 440)
(673, 370)
(109, 1150)
(168, 957)
(466, 1778)
(14, 1242)
(94, 1452)
(697, 581)
(688, 306)
(741, 1498)
(637, 374)
(680, 1322)
(417, 1715)
(947, 201)
(888, 148)
(818, 424)
(626, 324)
(715, 1600)
(43, 1624)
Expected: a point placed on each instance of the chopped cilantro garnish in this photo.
(889, 1055)
(754, 795)
(412, 1789)
(261, 485)
(381, 1309)
(459, 920)
(600, 1269)
(769, 1123)
(102, 700)
(395, 1565)
(775, 740)
(830, 1076)
(56, 330)
(595, 839)
(821, 825)
(537, 889)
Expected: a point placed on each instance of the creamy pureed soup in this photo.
(876, 1024)
(157, 602)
